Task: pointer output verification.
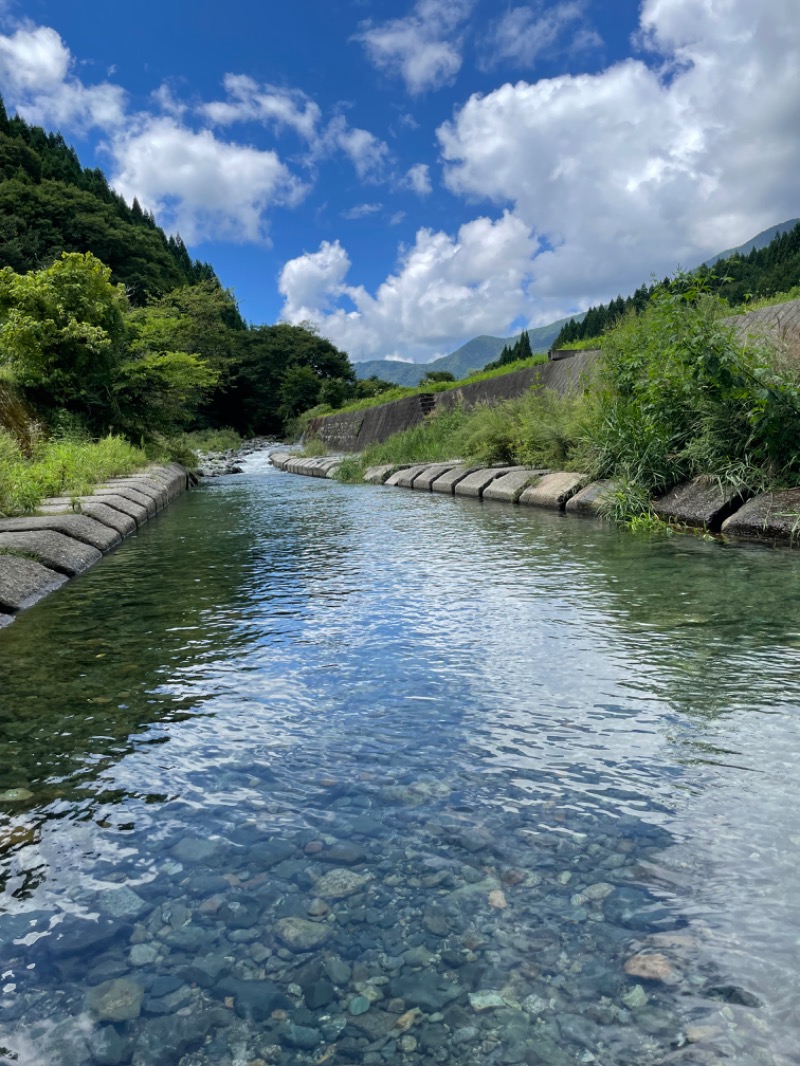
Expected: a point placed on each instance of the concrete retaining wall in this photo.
(38, 553)
(352, 431)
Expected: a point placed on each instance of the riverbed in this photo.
(314, 773)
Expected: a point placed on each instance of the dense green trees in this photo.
(105, 318)
(72, 343)
(280, 371)
(50, 204)
(512, 353)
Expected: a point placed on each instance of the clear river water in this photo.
(312, 773)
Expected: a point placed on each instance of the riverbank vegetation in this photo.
(60, 467)
(676, 393)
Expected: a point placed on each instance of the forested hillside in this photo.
(761, 272)
(107, 324)
(50, 204)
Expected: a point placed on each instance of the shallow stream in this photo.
(310, 773)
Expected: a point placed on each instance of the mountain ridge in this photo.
(471, 356)
(476, 353)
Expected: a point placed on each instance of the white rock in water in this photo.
(481, 1001)
(592, 894)
(341, 883)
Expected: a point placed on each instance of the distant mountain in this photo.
(474, 355)
(761, 240)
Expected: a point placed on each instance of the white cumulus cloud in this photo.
(444, 289)
(361, 211)
(647, 165)
(37, 80)
(248, 101)
(201, 186)
(424, 48)
(282, 108)
(418, 179)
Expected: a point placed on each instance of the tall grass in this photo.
(540, 428)
(59, 467)
(681, 394)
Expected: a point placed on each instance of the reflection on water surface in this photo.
(309, 773)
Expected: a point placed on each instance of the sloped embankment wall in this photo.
(352, 431)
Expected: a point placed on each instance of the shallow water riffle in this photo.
(311, 773)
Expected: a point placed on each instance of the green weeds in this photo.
(59, 468)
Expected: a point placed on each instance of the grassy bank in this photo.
(676, 394)
(59, 468)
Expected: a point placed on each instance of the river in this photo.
(313, 773)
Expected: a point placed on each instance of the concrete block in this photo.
(53, 550)
(773, 516)
(589, 501)
(404, 477)
(553, 490)
(308, 467)
(78, 526)
(376, 475)
(474, 484)
(109, 516)
(128, 493)
(174, 476)
(331, 471)
(157, 491)
(23, 582)
(424, 481)
(79, 504)
(279, 459)
(137, 511)
(313, 468)
(702, 503)
(509, 487)
(179, 477)
(447, 482)
(330, 463)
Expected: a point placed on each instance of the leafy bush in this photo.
(680, 395)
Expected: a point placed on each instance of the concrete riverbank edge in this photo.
(771, 518)
(68, 535)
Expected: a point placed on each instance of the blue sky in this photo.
(407, 175)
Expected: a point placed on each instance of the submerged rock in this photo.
(300, 934)
(652, 967)
(119, 1000)
(427, 990)
(341, 883)
(121, 903)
